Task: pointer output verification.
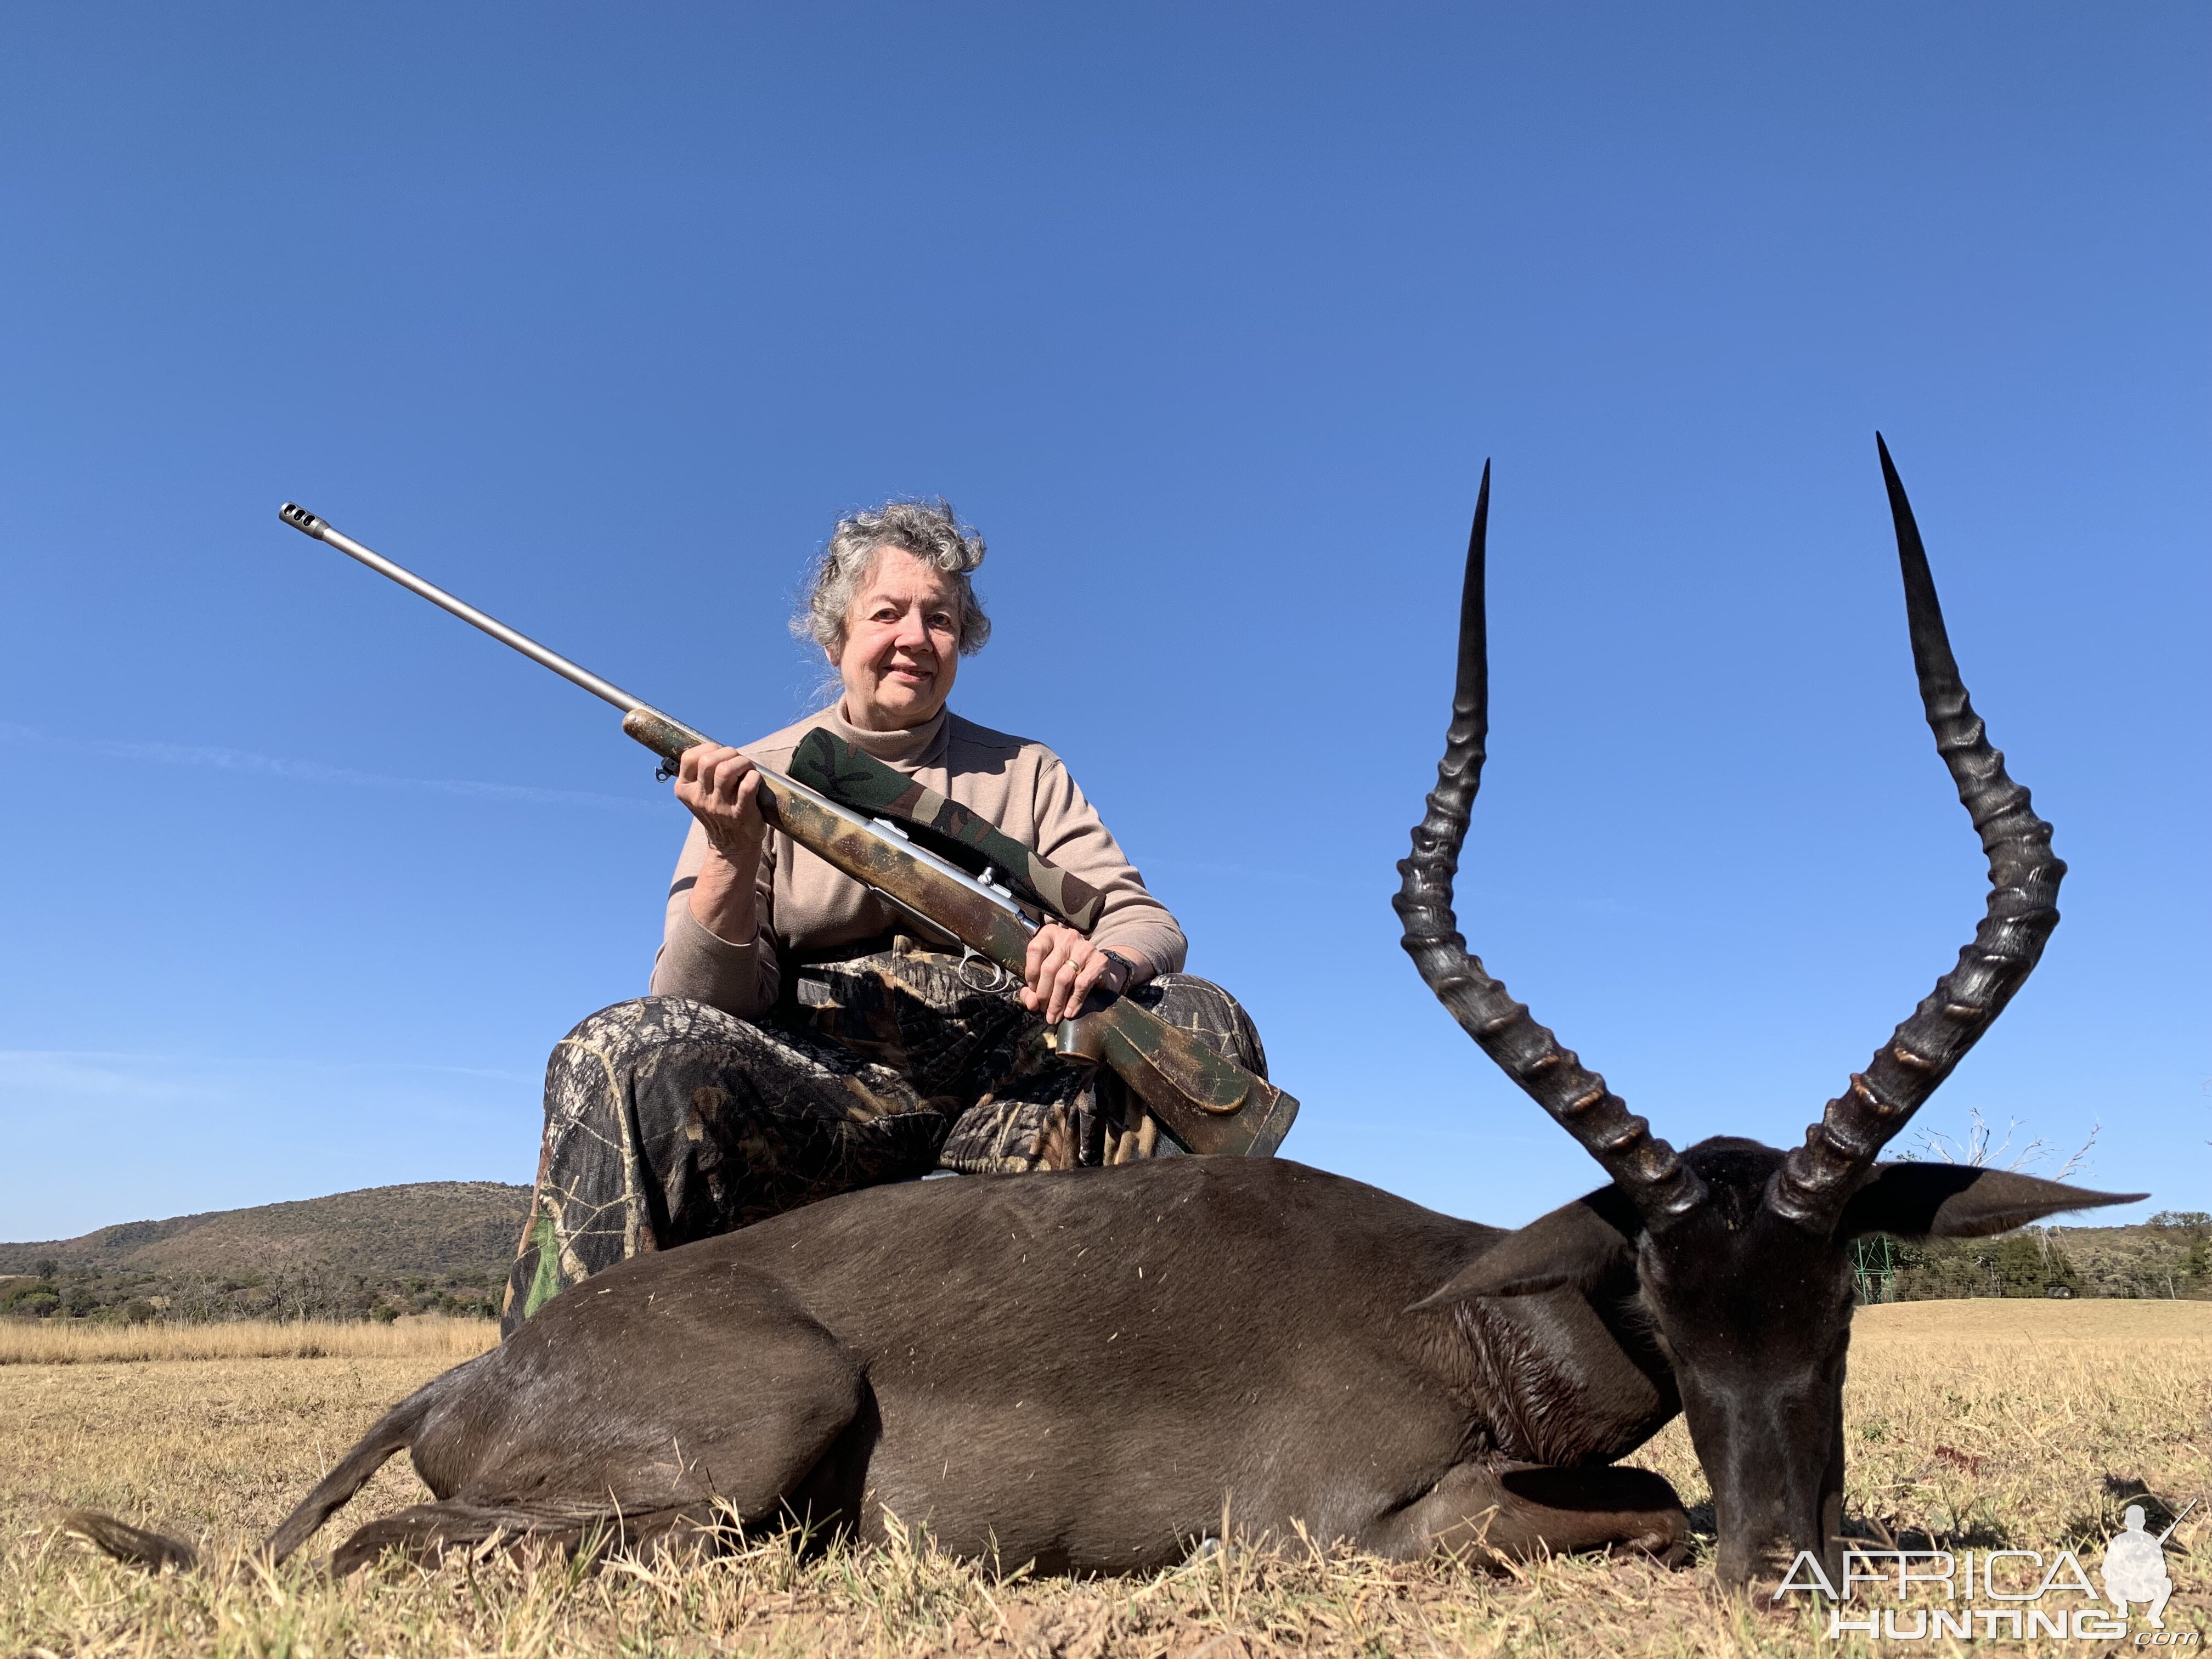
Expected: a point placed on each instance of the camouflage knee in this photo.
(1208, 1013)
(616, 1038)
(668, 1120)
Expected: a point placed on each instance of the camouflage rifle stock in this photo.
(1205, 1103)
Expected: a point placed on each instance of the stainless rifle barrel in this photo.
(308, 525)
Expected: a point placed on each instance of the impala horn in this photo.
(1642, 1164)
(1818, 1178)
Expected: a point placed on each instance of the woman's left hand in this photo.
(1062, 967)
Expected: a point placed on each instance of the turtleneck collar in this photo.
(906, 750)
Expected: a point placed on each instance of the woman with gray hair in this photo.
(801, 1037)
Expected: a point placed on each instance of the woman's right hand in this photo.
(722, 788)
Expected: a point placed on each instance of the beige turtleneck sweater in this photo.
(807, 906)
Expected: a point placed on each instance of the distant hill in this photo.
(2171, 1257)
(429, 1226)
(442, 1244)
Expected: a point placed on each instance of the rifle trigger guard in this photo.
(1001, 979)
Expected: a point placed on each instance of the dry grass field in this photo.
(1987, 1424)
(425, 1337)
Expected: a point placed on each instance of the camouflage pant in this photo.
(668, 1120)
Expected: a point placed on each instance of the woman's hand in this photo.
(1061, 968)
(722, 788)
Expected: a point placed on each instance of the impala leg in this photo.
(1518, 1511)
(617, 1440)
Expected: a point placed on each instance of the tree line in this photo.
(315, 1290)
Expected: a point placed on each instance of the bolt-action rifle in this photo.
(2176, 1522)
(1205, 1102)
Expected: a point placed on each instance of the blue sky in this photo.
(1208, 317)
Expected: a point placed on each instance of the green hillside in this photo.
(440, 1245)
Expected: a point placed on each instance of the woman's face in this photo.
(901, 643)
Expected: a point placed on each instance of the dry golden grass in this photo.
(422, 1336)
(1986, 1422)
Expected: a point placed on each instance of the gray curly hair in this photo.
(930, 530)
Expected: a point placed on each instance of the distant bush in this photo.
(2025, 1264)
(2170, 1257)
(314, 1290)
(18, 1299)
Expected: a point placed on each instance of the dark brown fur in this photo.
(1077, 1369)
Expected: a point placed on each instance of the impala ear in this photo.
(1951, 1201)
(1576, 1245)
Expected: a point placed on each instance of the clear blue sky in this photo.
(1208, 317)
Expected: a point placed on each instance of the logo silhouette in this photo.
(2135, 1566)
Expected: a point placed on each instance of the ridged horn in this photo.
(1818, 1178)
(1642, 1164)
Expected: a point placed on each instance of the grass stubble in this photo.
(1992, 1423)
